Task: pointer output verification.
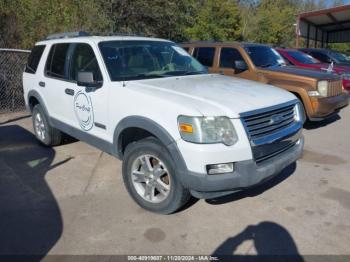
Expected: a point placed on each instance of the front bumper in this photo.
(324, 107)
(247, 173)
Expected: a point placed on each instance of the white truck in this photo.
(178, 130)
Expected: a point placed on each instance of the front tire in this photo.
(150, 177)
(45, 133)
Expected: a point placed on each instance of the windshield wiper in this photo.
(144, 76)
(183, 73)
(193, 73)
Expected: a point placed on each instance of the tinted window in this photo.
(84, 60)
(228, 56)
(286, 60)
(302, 57)
(56, 62)
(135, 60)
(264, 56)
(34, 58)
(205, 55)
(321, 57)
(339, 57)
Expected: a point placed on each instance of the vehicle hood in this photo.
(343, 64)
(339, 69)
(214, 95)
(293, 70)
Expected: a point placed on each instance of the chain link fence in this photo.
(12, 63)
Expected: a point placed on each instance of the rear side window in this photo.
(205, 55)
(56, 65)
(34, 59)
(228, 56)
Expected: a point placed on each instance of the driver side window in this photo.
(83, 59)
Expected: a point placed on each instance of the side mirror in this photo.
(240, 66)
(87, 79)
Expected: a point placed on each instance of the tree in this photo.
(216, 20)
(158, 18)
(23, 22)
(274, 23)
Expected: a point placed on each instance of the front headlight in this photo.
(322, 88)
(346, 76)
(207, 130)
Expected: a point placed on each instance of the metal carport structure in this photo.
(324, 26)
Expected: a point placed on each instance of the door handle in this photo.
(42, 84)
(69, 91)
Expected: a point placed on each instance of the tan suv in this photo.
(321, 93)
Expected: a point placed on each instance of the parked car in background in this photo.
(178, 129)
(327, 56)
(322, 94)
(304, 60)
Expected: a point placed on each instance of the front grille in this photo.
(275, 153)
(266, 123)
(335, 88)
(272, 131)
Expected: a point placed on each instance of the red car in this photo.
(300, 59)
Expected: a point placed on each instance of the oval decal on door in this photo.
(83, 110)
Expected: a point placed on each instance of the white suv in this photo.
(179, 130)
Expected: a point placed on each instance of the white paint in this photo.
(161, 100)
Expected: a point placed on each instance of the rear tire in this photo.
(150, 177)
(44, 132)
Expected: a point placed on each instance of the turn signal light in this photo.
(186, 128)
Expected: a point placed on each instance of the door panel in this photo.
(89, 107)
(56, 81)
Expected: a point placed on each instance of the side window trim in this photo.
(68, 62)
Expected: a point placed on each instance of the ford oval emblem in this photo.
(276, 119)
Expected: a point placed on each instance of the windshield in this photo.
(340, 58)
(264, 56)
(303, 58)
(135, 60)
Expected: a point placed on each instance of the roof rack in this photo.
(126, 34)
(67, 35)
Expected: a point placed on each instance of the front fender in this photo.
(143, 123)
(155, 129)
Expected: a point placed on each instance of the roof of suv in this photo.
(97, 39)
